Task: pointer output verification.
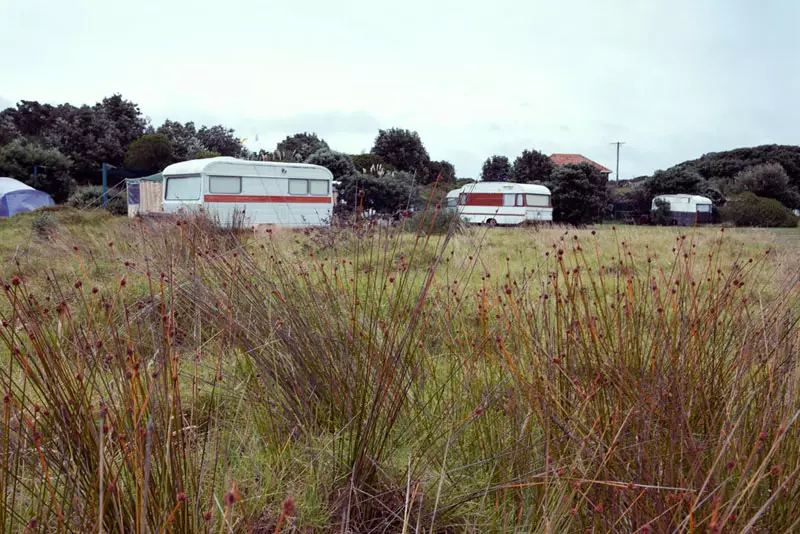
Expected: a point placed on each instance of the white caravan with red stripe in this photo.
(265, 192)
(504, 203)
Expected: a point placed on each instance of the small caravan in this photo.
(502, 203)
(686, 210)
(264, 192)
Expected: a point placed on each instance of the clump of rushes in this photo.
(89, 442)
(407, 381)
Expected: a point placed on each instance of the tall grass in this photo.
(374, 379)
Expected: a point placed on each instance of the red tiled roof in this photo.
(566, 159)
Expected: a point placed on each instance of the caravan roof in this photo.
(505, 187)
(225, 165)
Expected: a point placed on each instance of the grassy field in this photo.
(164, 376)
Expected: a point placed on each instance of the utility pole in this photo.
(618, 143)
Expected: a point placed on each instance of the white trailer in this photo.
(503, 203)
(686, 210)
(264, 192)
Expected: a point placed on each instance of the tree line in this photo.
(757, 186)
(67, 144)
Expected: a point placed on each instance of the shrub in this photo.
(371, 164)
(19, 157)
(434, 221)
(206, 154)
(748, 209)
(768, 180)
(387, 194)
(149, 153)
(45, 223)
(300, 146)
(661, 213)
(90, 198)
(339, 164)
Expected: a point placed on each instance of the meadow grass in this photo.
(168, 376)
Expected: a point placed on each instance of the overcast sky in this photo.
(672, 78)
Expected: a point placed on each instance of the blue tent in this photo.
(16, 197)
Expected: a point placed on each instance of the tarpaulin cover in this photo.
(16, 197)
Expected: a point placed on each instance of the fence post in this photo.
(105, 185)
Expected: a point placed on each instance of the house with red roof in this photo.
(567, 159)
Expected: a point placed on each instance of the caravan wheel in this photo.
(491, 222)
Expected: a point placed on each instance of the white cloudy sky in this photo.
(672, 78)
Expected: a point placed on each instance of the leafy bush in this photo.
(149, 153)
(206, 154)
(339, 164)
(371, 164)
(385, 195)
(90, 198)
(44, 223)
(434, 221)
(18, 158)
(748, 209)
(768, 180)
(661, 213)
(300, 146)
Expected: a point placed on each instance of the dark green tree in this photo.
(8, 130)
(184, 139)
(496, 169)
(531, 167)
(300, 146)
(18, 158)
(339, 164)
(149, 153)
(445, 168)
(220, 139)
(725, 165)
(676, 180)
(578, 194)
(403, 149)
(385, 195)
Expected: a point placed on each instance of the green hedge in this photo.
(748, 209)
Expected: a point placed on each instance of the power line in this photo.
(618, 143)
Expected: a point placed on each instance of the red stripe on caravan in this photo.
(279, 199)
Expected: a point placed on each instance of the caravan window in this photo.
(704, 208)
(462, 199)
(451, 202)
(226, 185)
(538, 201)
(298, 187)
(183, 188)
(508, 199)
(318, 187)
